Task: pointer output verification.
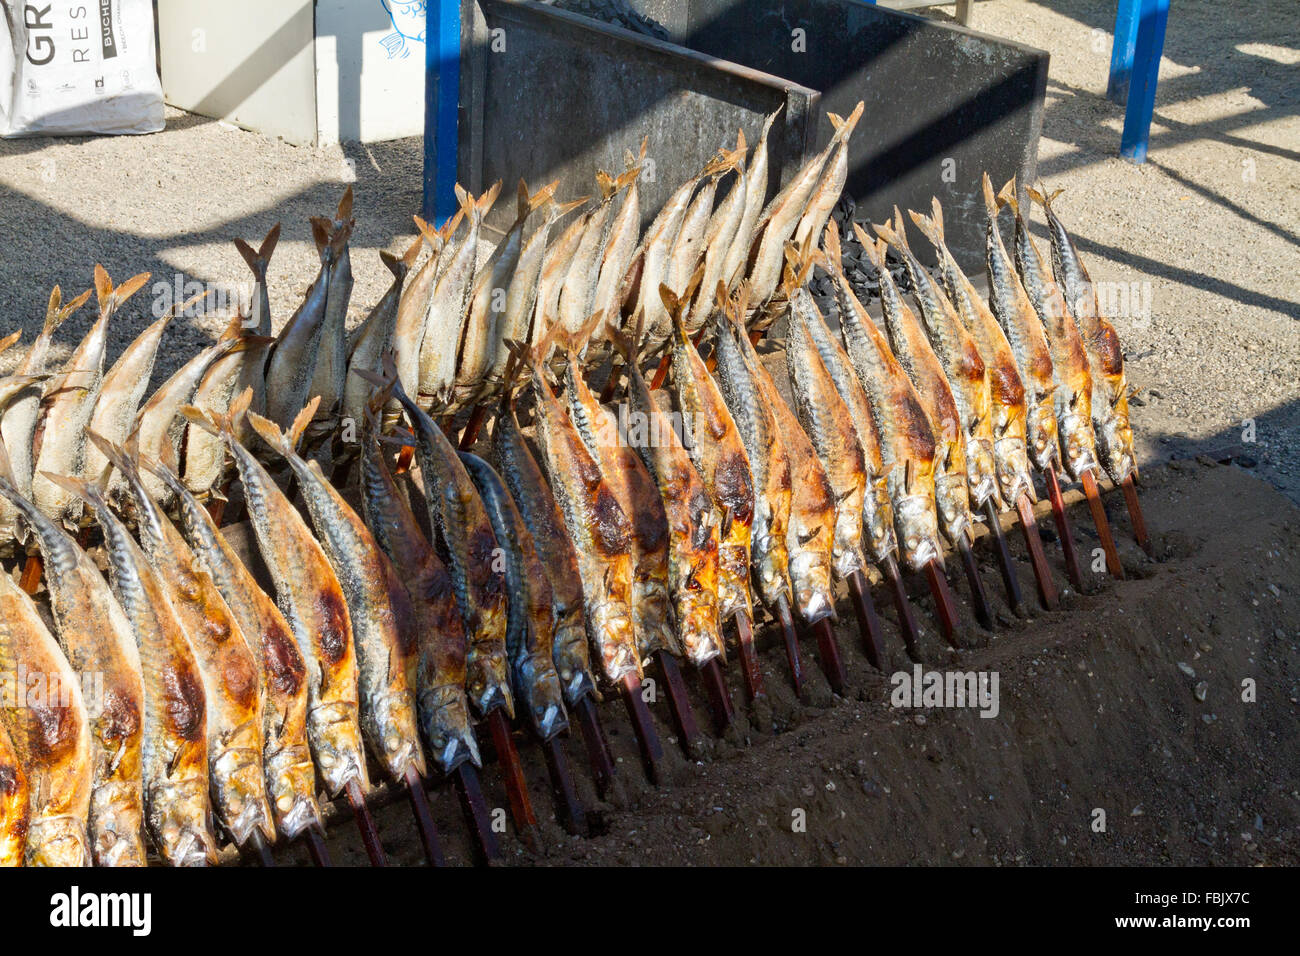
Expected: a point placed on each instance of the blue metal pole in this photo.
(1142, 87)
(1121, 51)
(441, 105)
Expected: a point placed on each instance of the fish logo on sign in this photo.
(107, 41)
(408, 18)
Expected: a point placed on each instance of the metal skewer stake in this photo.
(366, 824)
(1047, 593)
(258, 842)
(942, 600)
(475, 807)
(424, 818)
(1008, 568)
(679, 703)
(315, 841)
(979, 598)
(791, 643)
(512, 772)
(1135, 515)
(472, 427)
(906, 621)
(715, 683)
(573, 816)
(868, 622)
(829, 651)
(748, 655)
(1090, 490)
(652, 752)
(1063, 530)
(602, 764)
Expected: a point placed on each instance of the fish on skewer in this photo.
(831, 183)
(15, 804)
(1007, 397)
(259, 260)
(70, 398)
(408, 333)
(174, 750)
(18, 418)
(690, 251)
(754, 178)
(238, 367)
(371, 341)
(582, 277)
(330, 373)
(621, 247)
(44, 712)
(291, 367)
(311, 599)
(719, 236)
(550, 281)
(287, 764)
(231, 687)
(97, 638)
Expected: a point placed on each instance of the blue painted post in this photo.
(441, 104)
(1121, 51)
(1142, 87)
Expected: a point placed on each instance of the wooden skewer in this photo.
(791, 640)
(31, 577)
(679, 703)
(868, 623)
(475, 424)
(602, 764)
(424, 818)
(573, 816)
(258, 841)
(1098, 509)
(906, 621)
(1135, 515)
(512, 771)
(829, 651)
(1063, 530)
(715, 683)
(652, 752)
(1010, 583)
(476, 812)
(943, 600)
(979, 598)
(748, 655)
(366, 824)
(315, 840)
(1047, 593)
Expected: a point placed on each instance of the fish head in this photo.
(117, 826)
(918, 530)
(697, 625)
(612, 630)
(239, 790)
(571, 657)
(57, 841)
(1078, 446)
(810, 574)
(1041, 431)
(393, 737)
(1115, 447)
(981, 472)
(878, 519)
(291, 788)
(1013, 470)
(487, 670)
(335, 735)
(445, 720)
(542, 696)
(178, 821)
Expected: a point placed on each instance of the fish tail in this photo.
(607, 184)
(285, 442)
(397, 266)
(344, 211)
(320, 234)
(57, 313)
(991, 204)
(529, 204)
(1007, 196)
(831, 246)
(111, 297)
(929, 228)
(258, 260)
(844, 127)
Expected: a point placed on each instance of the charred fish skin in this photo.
(541, 513)
(530, 638)
(828, 423)
(310, 598)
(15, 804)
(230, 681)
(601, 535)
(692, 522)
(737, 379)
(1110, 388)
(907, 441)
(174, 749)
(50, 732)
(459, 517)
(288, 769)
(1070, 366)
(1015, 313)
(97, 638)
(637, 495)
(718, 453)
(442, 706)
(1007, 399)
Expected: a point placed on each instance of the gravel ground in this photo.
(1205, 231)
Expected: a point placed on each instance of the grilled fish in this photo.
(1006, 390)
(97, 637)
(831, 183)
(373, 338)
(1110, 389)
(259, 316)
(230, 679)
(15, 804)
(311, 599)
(624, 232)
(1070, 369)
(907, 438)
(174, 748)
(531, 626)
(1015, 313)
(287, 766)
(441, 705)
(582, 279)
(692, 521)
(408, 334)
(330, 374)
(42, 707)
(654, 258)
(719, 236)
(754, 178)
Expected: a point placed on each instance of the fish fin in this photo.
(991, 204)
(345, 205)
(606, 184)
(269, 242)
(831, 246)
(103, 287)
(485, 201)
(1007, 196)
(10, 339)
(395, 265)
(320, 233)
(928, 227)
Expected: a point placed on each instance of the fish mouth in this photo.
(335, 737)
(918, 531)
(811, 574)
(697, 626)
(291, 787)
(178, 822)
(241, 794)
(577, 686)
(543, 698)
(1080, 450)
(952, 499)
(116, 825)
(60, 841)
(1013, 470)
(878, 521)
(487, 678)
(613, 632)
